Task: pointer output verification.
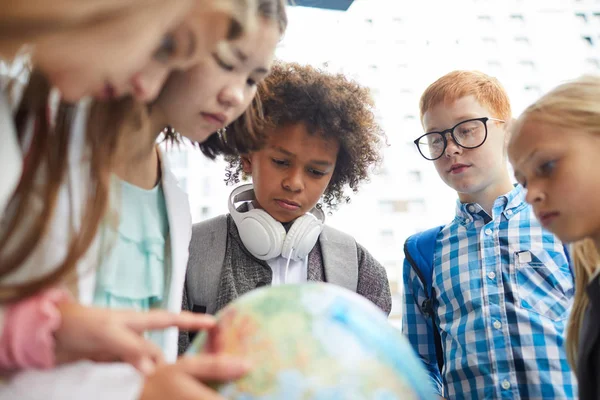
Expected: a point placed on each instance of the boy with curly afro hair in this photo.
(318, 136)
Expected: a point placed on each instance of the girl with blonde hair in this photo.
(554, 151)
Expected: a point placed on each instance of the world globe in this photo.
(314, 341)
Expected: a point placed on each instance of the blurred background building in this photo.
(397, 48)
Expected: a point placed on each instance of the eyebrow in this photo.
(460, 119)
(243, 58)
(322, 163)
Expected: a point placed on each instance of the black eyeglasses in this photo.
(468, 134)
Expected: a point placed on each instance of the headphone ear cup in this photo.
(302, 237)
(261, 234)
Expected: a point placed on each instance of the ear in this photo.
(508, 130)
(246, 163)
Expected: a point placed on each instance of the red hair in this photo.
(457, 84)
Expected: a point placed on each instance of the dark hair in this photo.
(327, 104)
(251, 121)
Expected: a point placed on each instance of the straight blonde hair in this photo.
(573, 105)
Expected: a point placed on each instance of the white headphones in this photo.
(265, 237)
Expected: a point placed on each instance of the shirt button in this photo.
(471, 208)
(505, 384)
(497, 324)
(491, 275)
(488, 232)
(468, 220)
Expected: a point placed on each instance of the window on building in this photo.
(416, 206)
(522, 41)
(489, 41)
(527, 65)
(581, 17)
(204, 212)
(386, 233)
(393, 206)
(593, 64)
(415, 176)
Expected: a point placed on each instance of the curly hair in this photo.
(330, 105)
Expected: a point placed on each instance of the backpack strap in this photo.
(340, 258)
(419, 251)
(207, 254)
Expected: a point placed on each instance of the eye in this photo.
(222, 64)
(166, 49)
(279, 162)
(316, 172)
(546, 168)
(251, 82)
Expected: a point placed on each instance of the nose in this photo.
(146, 84)
(452, 148)
(534, 194)
(232, 95)
(293, 181)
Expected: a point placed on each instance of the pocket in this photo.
(544, 282)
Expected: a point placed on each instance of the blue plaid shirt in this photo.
(503, 295)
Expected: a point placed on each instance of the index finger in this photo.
(160, 319)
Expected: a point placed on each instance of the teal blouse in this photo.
(135, 273)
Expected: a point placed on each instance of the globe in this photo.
(314, 341)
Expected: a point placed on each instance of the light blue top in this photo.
(135, 273)
(503, 294)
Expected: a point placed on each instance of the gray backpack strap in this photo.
(340, 258)
(207, 254)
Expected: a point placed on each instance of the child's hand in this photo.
(183, 380)
(100, 334)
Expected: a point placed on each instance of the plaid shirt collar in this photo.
(508, 204)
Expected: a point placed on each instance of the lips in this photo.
(217, 120)
(458, 168)
(289, 205)
(546, 218)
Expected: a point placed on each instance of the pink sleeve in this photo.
(28, 335)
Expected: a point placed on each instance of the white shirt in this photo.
(297, 271)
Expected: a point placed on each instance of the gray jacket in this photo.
(242, 272)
